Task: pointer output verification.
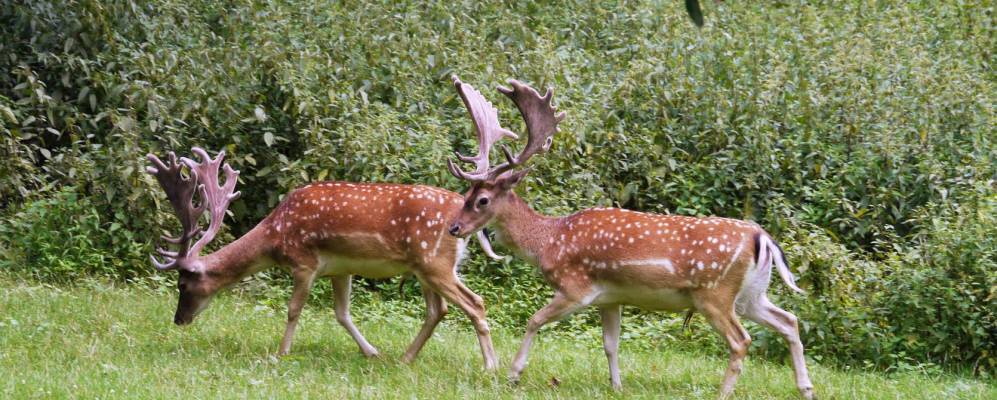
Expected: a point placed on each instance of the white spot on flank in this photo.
(654, 262)
(733, 259)
(423, 244)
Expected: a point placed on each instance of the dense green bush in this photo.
(931, 302)
(63, 237)
(860, 133)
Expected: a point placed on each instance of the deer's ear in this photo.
(510, 180)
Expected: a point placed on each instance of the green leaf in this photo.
(8, 114)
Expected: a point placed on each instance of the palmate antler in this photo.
(216, 197)
(540, 116)
(541, 123)
(180, 191)
(487, 127)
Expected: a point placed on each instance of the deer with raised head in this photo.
(608, 257)
(324, 229)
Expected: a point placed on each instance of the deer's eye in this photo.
(482, 202)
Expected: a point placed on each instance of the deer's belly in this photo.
(644, 297)
(334, 264)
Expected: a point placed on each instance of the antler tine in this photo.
(216, 197)
(163, 266)
(166, 253)
(486, 126)
(180, 192)
(541, 121)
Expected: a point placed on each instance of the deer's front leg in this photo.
(454, 291)
(436, 309)
(302, 286)
(341, 292)
(558, 308)
(611, 316)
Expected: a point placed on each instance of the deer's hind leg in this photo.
(764, 312)
(341, 288)
(719, 311)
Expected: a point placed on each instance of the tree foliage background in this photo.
(860, 133)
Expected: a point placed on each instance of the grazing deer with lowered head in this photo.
(608, 257)
(325, 229)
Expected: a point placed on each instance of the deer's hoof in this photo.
(372, 354)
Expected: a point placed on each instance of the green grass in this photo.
(860, 133)
(99, 341)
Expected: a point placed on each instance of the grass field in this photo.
(101, 341)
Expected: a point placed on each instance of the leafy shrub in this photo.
(863, 141)
(929, 303)
(63, 237)
(943, 303)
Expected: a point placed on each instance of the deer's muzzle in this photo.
(454, 229)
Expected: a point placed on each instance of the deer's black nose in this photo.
(454, 229)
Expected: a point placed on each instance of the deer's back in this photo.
(621, 247)
(364, 222)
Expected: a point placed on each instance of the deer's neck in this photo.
(244, 256)
(523, 230)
